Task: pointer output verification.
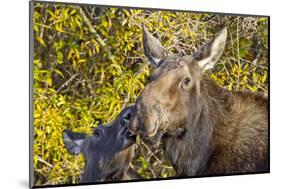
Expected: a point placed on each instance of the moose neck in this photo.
(197, 141)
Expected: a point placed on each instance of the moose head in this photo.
(174, 96)
(108, 151)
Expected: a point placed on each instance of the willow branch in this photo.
(94, 32)
(91, 28)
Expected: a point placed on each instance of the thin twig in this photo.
(238, 53)
(148, 159)
(43, 161)
(66, 83)
(91, 28)
(141, 70)
(151, 152)
(44, 21)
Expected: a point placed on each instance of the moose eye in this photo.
(98, 132)
(127, 116)
(186, 81)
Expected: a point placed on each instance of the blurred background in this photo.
(89, 65)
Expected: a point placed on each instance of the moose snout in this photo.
(143, 126)
(144, 121)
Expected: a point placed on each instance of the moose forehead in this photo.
(175, 67)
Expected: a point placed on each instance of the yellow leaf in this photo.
(41, 41)
(97, 48)
(81, 61)
(127, 12)
(73, 12)
(59, 72)
(50, 82)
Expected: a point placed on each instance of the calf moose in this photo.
(208, 129)
(108, 151)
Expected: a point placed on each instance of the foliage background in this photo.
(89, 64)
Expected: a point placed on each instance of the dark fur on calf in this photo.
(108, 151)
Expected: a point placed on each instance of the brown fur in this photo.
(238, 142)
(208, 130)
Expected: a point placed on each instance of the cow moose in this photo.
(208, 130)
(108, 151)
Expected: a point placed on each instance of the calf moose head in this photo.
(108, 151)
(172, 98)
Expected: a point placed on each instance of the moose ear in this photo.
(153, 49)
(73, 141)
(210, 53)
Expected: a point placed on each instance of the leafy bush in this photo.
(89, 64)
